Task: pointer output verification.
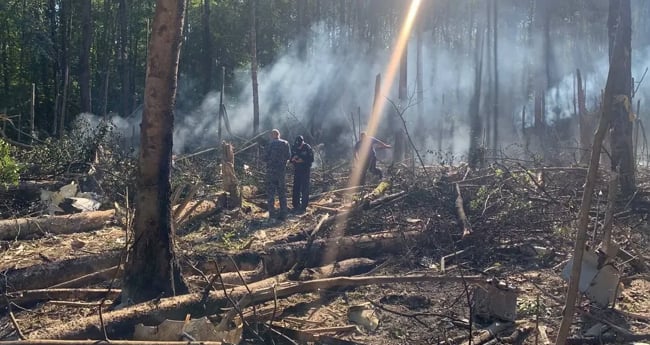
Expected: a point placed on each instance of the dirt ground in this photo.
(522, 229)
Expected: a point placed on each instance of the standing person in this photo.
(302, 158)
(370, 162)
(278, 153)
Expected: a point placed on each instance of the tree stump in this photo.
(230, 182)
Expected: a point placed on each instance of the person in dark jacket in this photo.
(369, 157)
(278, 153)
(302, 156)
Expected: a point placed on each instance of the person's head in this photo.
(275, 133)
(362, 135)
(299, 141)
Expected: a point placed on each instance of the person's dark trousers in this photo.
(373, 167)
(300, 197)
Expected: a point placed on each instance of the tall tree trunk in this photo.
(301, 27)
(152, 269)
(51, 11)
(475, 156)
(402, 94)
(256, 100)
(123, 46)
(619, 25)
(606, 118)
(495, 89)
(419, 84)
(108, 35)
(84, 56)
(584, 120)
(207, 48)
(64, 100)
(64, 65)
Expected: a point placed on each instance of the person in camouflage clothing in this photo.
(278, 153)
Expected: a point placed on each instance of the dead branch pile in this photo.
(427, 234)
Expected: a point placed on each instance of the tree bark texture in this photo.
(84, 56)
(26, 228)
(619, 25)
(151, 269)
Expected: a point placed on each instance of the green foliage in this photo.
(529, 307)
(9, 168)
(479, 199)
(72, 153)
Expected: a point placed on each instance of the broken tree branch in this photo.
(122, 321)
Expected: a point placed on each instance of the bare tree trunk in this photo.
(611, 109)
(256, 101)
(32, 114)
(64, 100)
(475, 155)
(108, 35)
(207, 48)
(230, 182)
(585, 121)
(64, 65)
(377, 94)
(152, 269)
(56, 70)
(84, 56)
(399, 146)
(123, 44)
(418, 73)
(619, 26)
(221, 106)
(495, 89)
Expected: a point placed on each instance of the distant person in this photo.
(370, 162)
(278, 153)
(302, 156)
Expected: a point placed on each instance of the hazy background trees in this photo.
(317, 61)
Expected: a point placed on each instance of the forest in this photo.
(509, 203)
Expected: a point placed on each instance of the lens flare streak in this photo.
(376, 114)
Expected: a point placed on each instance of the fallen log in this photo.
(26, 228)
(105, 342)
(343, 268)
(176, 308)
(488, 333)
(52, 273)
(275, 259)
(609, 338)
(30, 296)
(348, 267)
(282, 257)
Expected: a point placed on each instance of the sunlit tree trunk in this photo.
(152, 269)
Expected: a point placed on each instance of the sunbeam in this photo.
(376, 114)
